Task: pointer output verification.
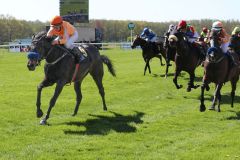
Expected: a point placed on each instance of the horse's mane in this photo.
(39, 35)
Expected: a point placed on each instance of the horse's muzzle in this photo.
(132, 46)
(31, 65)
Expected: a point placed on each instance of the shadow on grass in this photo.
(226, 99)
(102, 125)
(237, 117)
(196, 79)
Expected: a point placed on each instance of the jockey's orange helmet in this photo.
(57, 20)
(182, 24)
(217, 25)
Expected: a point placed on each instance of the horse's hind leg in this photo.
(77, 88)
(57, 92)
(44, 83)
(98, 76)
(160, 57)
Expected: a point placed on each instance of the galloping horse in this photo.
(187, 58)
(147, 51)
(218, 69)
(60, 69)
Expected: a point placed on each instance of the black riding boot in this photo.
(77, 55)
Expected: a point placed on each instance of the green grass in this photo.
(147, 117)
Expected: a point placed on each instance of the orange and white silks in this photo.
(66, 36)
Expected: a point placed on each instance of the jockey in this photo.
(189, 31)
(224, 39)
(192, 36)
(171, 28)
(235, 36)
(204, 36)
(66, 35)
(150, 37)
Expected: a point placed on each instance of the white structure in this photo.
(19, 45)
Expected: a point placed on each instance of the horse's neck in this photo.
(54, 53)
(183, 49)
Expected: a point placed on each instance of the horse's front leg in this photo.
(202, 105)
(77, 88)
(44, 83)
(166, 71)
(217, 97)
(191, 82)
(147, 66)
(58, 90)
(234, 86)
(177, 72)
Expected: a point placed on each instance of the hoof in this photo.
(189, 89)
(202, 108)
(43, 122)
(105, 109)
(207, 88)
(196, 86)
(179, 87)
(74, 114)
(39, 113)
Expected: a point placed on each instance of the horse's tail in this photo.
(109, 64)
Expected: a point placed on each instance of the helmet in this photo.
(192, 29)
(204, 29)
(217, 25)
(146, 30)
(182, 24)
(236, 30)
(56, 20)
(171, 28)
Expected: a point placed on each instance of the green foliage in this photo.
(113, 30)
(12, 28)
(147, 117)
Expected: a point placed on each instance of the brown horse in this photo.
(148, 51)
(187, 58)
(219, 70)
(60, 69)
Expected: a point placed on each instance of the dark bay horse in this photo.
(219, 70)
(60, 69)
(187, 58)
(147, 51)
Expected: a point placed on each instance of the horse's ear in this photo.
(137, 36)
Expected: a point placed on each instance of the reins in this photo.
(58, 59)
